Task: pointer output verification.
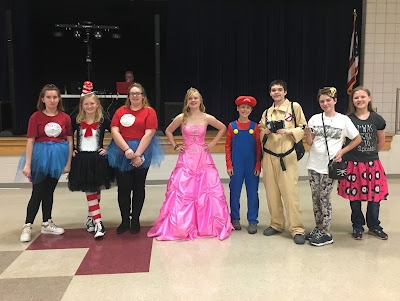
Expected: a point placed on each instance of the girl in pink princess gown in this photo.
(195, 204)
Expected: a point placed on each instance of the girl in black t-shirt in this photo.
(366, 179)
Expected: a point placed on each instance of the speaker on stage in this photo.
(172, 109)
(5, 115)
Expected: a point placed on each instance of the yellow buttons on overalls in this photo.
(251, 132)
(235, 131)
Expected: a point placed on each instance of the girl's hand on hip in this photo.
(102, 151)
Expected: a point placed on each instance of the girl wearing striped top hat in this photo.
(90, 171)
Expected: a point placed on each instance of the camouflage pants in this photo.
(321, 188)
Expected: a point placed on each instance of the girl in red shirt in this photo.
(48, 155)
(131, 152)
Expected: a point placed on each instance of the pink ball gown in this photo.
(195, 204)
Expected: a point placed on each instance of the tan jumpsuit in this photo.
(281, 186)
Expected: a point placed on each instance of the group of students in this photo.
(195, 203)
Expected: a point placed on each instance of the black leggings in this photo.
(134, 181)
(41, 192)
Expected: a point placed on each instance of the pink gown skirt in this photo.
(195, 203)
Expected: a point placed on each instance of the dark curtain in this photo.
(223, 48)
(41, 58)
(231, 48)
(21, 45)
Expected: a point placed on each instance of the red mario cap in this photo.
(246, 100)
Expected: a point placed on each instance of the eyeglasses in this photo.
(135, 93)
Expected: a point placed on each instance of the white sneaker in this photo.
(51, 228)
(90, 224)
(26, 234)
(100, 230)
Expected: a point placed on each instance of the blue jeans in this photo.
(357, 217)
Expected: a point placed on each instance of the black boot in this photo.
(135, 227)
(123, 227)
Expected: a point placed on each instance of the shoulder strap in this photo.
(326, 140)
(293, 115)
(234, 125)
(252, 125)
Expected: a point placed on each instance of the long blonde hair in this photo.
(145, 101)
(186, 108)
(352, 108)
(82, 114)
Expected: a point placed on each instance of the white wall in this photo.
(380, 55)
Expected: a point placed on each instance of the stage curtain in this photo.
(231, 48)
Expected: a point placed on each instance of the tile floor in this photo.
(243, 267)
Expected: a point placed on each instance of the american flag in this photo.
(353, 58)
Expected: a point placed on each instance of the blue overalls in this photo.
(244, 162)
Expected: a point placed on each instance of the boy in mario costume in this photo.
(242, 150)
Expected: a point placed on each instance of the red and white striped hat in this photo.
(87, 88)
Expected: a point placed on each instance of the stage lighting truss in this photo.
(85, 31)
(98, 31)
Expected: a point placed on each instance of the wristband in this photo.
(127, 149)
(176, 146)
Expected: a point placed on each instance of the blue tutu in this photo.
(48, 159)
(153, 155)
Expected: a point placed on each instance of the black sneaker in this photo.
(99, 230)
(90, 224)
(378, 233)
(312, 233)
(236, 224)
(357, 234)
(320, 238)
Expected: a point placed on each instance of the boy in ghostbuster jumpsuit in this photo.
(242, 150)
(280, 170)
